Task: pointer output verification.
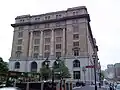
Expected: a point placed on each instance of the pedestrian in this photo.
(110, 86)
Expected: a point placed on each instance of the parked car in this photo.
(118, 87)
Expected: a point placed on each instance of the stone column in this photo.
(41, 44)
(64, 42)
(52, 44)
(30, 44)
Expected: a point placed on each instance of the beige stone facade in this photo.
(66, 34)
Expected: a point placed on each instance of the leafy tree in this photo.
(3, 69)
(3, 66)
(102, 75)
(45, 72)
(62, 69)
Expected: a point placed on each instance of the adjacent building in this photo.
(66, 34)
(112, 71)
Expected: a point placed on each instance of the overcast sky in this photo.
(105, 18)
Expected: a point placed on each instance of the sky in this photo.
(104, 16)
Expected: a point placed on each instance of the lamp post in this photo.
(84, 70)
(47, 63)
(94, 59)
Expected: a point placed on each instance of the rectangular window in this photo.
(20, 34)
(57, 24)
(37, 41)
(18, 54)
(58, 39)
(36, 48)
(35, 55)
(47, 40)
(36, 26)
(58, 46)
(36, 33)
(47, 47)
(47, 33)
(58, 54)
(19, 48)
(74, 21)
(21, 28)
(75, 28)
(76, 52)
(75, 36)
(47, 25)
(19, 41)
(76, 74)
(75, 44)
(58, 32)
(46, 54)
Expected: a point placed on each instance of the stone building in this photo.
(66, 34)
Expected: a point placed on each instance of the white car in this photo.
(118, 87)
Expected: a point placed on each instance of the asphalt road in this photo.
(87, 88)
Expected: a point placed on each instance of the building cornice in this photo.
(53, 20)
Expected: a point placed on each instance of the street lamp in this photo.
(47, 63)
(94, 59)
(84, 70)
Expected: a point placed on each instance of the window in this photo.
(47, 47)
(58, 54)
(19, 41)
(47, 40)
(58, 46)
(58, 16)
(21, 28)
(47, 33)
(47, 25)
(35, 55)
(76, 63)
(36, 33)
(37, 41)
(36, 26)
(46, 54)
(75, 13)
(48, 17)
(20, 34)
(36, 48)
(37, 18)
(58, 32)
(17, 65)
(74, 21)
(75, 28)
(58, 39)
(33, 67)
(76, 52)
(18, 54)
(57, 24)
(76, 74)
(75, 36)
(19, 48)
(75, 44)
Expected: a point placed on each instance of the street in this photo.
(89, 88)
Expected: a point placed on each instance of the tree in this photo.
(3, 69)
(62, 69)
(102, 75)
(3, 66)
(45, 72)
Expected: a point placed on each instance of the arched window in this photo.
(17, 65)
(33, 67)
(76, 63)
